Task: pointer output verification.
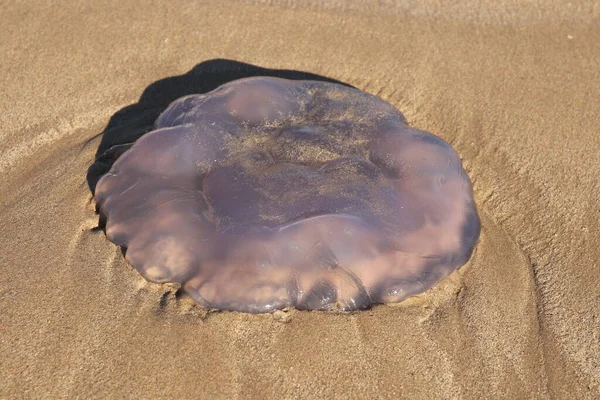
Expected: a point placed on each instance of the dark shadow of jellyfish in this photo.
(131, 122)
(282, 189)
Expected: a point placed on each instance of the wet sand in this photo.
(513, 88)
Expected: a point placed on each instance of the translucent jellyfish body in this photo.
(268, 193)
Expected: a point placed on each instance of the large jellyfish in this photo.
(269, 193)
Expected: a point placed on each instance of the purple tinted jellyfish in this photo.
(268, 193)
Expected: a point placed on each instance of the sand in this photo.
(514, 88)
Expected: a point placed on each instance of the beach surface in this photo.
(513, 87)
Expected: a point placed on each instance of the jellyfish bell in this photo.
(268, 193)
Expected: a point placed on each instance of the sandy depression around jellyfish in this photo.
(268, 193)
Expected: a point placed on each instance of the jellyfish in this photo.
(268, 193)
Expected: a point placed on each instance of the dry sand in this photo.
(515, 88)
